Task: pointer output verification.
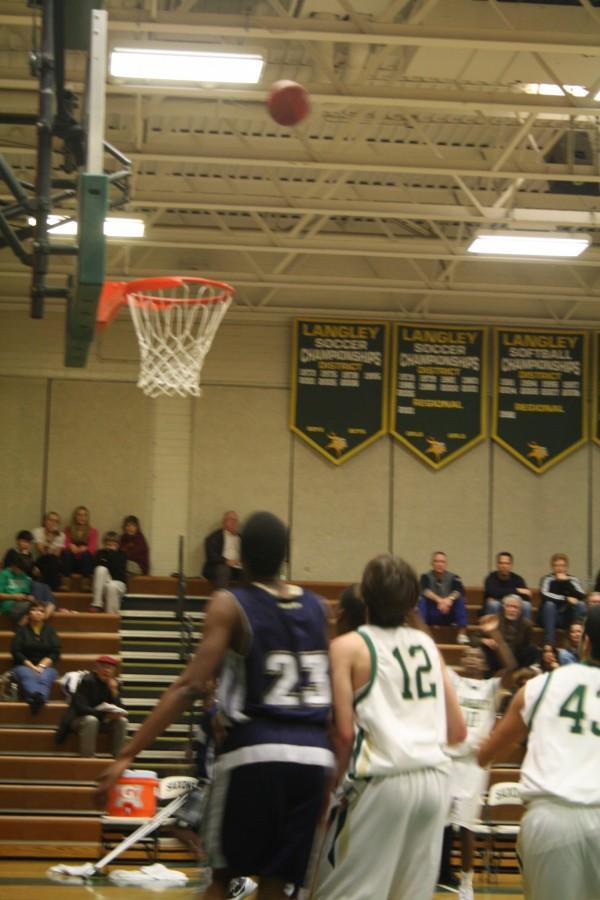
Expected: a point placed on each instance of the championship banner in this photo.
(339, 385)
(540, 389)
(438, 402)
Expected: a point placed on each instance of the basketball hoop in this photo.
(175, 320)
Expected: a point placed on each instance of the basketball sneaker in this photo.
(465, 888)
(241, 887)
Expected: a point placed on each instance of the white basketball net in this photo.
(175, 328)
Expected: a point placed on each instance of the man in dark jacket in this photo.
(96, 706)
(222, 551)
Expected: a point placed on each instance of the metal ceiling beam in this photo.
(552, 172)
(356, 246)
(293, 281)
(402, 96)
(426, 212)
(278, 28)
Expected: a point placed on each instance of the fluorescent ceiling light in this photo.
(556, 90)
(529, 243)
(114, 226)
(183, 65)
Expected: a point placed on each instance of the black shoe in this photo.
(448, 880)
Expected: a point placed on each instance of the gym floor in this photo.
(25, 880)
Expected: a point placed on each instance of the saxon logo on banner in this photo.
(438, 390)
(339, 393)
(540, 389)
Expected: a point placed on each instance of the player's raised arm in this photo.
(341, 654)
(457, 730)
(511, 730)
(220, 628)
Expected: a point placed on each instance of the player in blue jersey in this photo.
(269, 642)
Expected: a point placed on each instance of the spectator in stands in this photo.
(81, 543)
(351, 610)
(571, 652)
(135, 546)
(15, 592)
(561, 598)
(96, 706)
(22, 548)
(592, 599)
(49, 544)
(549, 660)
(502, 582)
(35, 650)
(110, 575)
(517, 631)
(222, 551)
(22, 551)
(442, 599)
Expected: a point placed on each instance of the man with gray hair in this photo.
(442, 597)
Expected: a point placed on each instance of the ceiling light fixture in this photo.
(556, 90)
(183, 65)
(114, 226)
(529, 243)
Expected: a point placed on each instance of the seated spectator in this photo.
(22, 549)
(81, 542)
(222, 551)
(502, 582)
(49, 544)
(96, 706)
(110, 575)
(134, 545)
(570, 653)
(517, 631)
(561, 598)
(592, 599)
(35, 650)
(15, 592)
(442, 600)
(352, 612)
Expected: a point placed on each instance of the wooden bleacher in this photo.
(38, 776)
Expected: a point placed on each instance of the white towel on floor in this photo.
(155, 876)
(71, 874)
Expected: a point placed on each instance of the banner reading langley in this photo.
(339, 398)
(540, 389)
(438, 408)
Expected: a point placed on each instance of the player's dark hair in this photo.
(264, 541)
(504, 553)
(110, 536)
(390, 590)
(592, 630)
(352, 610)
(24, 535)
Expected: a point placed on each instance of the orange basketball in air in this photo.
(288, 102)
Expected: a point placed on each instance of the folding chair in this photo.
(501, 797)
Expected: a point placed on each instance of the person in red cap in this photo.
(96, 706)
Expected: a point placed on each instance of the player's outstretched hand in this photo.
(108, 777)
(487, 624)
